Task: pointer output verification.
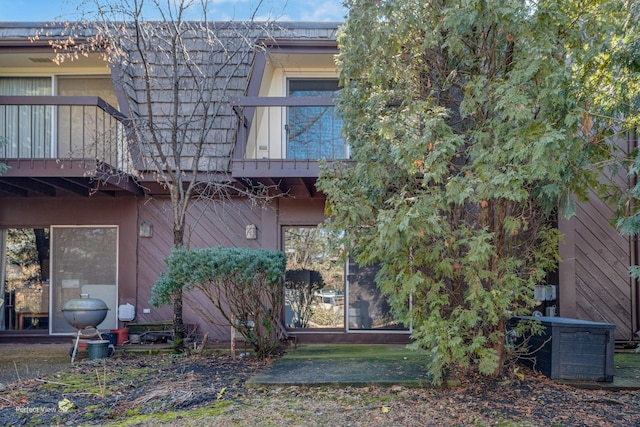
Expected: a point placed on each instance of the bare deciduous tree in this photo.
(176, 76)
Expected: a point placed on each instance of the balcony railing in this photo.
(63, 127)
(289, 129)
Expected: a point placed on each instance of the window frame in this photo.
(322, 144)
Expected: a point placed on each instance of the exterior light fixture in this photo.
(250, 232)
(146, 229)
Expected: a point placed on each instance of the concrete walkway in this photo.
(357, 365)
(346, 365)
(362, 365)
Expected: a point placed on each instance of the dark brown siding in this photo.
(212, 224)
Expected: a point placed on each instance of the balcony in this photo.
(282, 139)
(60, 145)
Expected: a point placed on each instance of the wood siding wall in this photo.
(595, 283)
(208, 225)
(40, 212)
(601, 288)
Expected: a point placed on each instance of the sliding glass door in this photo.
(314, 280)
(313, 132)
(25, 130)
(318, 293)
(369, 308)
(84, 261)
(24, 279)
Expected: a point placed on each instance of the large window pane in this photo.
(314, 132)
(84, 260)
(24, 279)
(368, 307)
(314, 282)
(25, 130)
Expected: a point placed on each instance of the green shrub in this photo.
(244, 285)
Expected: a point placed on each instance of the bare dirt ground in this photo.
(23, 361)
(150, 390)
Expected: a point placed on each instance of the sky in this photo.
(219, 10)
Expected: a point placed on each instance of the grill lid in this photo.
(84, 303)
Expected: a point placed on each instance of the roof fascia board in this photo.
(27, 45)
(301, 45)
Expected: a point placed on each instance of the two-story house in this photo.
(79, 214)
(63, 232)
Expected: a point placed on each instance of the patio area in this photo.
(364, 365)
(321, 365)
(346, 365)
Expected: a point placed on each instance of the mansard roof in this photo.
(228, 60)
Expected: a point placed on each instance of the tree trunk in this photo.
(178, 323)
(42, 246)
(499, 347)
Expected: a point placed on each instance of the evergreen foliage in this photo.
(471, 124)
(625, 86)
(244, 285)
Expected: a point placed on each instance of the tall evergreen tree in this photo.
(471, 123)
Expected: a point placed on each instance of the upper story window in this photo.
(313, 132)
(289, 112)
(29, 86)
(25, 131)
(56, 129)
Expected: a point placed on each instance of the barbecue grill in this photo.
(85, 314)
